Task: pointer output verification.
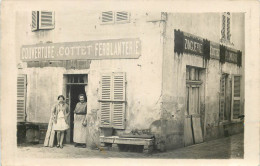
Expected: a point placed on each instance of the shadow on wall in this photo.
(93, 131)
(155, 129)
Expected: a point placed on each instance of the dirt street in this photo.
(224, 148)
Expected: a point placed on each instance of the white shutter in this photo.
(46, 20)
(119, 86)
(21, 97)
(107, 17)
(118, 115)
(34, 20)
(122, 16)
(112, 100)
(105, 117)
(235, 97)
(106, 87)
(105, 99)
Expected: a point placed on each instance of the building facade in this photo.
(176, 76)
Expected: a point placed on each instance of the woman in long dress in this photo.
(60, 114)
(80, 130)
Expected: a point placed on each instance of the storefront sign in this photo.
(193, 44)
(231, 55)
(214, 50)
(103, 49)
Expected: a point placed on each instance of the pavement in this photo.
(224, 148)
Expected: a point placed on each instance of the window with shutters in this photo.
(226, 27)
(112, 100)
(223, 99)
(21, 97)
(42, 20)
(111, 17)
(236, 97)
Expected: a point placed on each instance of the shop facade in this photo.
(136, 74)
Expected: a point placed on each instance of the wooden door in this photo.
(192, 123)
(68, 100)
(188, 137)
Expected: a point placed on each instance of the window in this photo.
(42, 20)
(75, 79)
(112, 100)
(236, 98)
(21, 97)
(193, 74)
(226, 27)
(223, 101)
(110, 17)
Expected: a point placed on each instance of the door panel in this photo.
(68, 132)
(188, 138)
(196, 124)
(192, 123)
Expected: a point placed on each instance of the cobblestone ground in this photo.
(228, 147)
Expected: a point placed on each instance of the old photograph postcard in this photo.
(129, 82)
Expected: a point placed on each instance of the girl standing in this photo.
(60, 114)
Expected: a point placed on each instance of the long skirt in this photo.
(80, 131)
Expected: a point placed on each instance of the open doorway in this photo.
(76, 84)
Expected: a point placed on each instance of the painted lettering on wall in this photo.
(193, 45)
(105, 49)
(214, 51)
(231, 56)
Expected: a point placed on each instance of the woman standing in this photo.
(80, 130)
(60, 114)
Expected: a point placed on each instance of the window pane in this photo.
(196, 74)
(187, 73)
(192, 74)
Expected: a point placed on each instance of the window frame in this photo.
(38, 21)
(111, 101)
(114, 21)
(225, 98)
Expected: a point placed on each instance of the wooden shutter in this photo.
(106, 87)
(105, 108)
(34, 20)
(105, 99)
(46, 20)
(107, 17)
(118, 116)
(21, 97)
(223, 30)
(118, 86)
(122, 16)
(222, 98)
(235, 97)
(112, 100)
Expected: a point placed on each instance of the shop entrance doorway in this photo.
(76, 84)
